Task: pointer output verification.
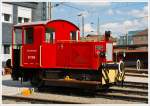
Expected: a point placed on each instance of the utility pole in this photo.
(82, 23)
(126, 41)
(126, 38)
(98, 27)
(49, 10)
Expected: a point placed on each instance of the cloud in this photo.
(110, 12)
(102, 4)
(145, 10)
(139, 13)
(134, 12)
(121, 28)
(128, 24)
(88, 28)
(115, 12)
(118, 12)
(62, 10)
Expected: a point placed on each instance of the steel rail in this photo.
(31, 99)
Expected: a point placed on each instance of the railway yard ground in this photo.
(134, 91)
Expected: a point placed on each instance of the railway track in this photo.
(114, 93)
(32, 100)
(132, 70)
(127, 93)
(130, 92)
(137, 75)
(134, 85)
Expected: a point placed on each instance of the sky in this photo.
(118, 17)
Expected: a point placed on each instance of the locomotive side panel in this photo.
(48, 56)
(80, 57)
(62, 55)
(76, 55)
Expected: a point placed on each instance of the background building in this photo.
(18, 12)
(141, 37)
(134, 37)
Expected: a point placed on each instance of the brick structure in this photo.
(96, 38)
(141, 38)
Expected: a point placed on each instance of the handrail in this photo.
(40, 56)
(21, 57)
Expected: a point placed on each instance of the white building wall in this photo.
(25, 12)
(7, 9)
(5, 57)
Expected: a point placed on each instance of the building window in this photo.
(49, 36)
(7, 17)
(26, 19)
(24, 14)
(19, 19)
(6, 49)
(22, 19)
(29, 35)
(7, 12)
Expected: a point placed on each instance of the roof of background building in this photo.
(131, 33)
(138, 32)
(99, 37)
(129, 51)
(141, 33)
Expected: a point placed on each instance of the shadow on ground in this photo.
(12, 83)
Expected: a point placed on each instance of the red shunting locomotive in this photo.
(51, 53)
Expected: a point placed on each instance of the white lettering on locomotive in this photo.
(31, 57)
(31, 50)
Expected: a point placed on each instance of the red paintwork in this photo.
(63, 53)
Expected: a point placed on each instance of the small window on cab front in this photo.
(49, 35)
(74, 35)
(28, 33)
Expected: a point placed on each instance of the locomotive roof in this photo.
(41, 23)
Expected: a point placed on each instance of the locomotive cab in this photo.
(52, 53)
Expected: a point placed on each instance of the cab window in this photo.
(29, 35)
(73, 35)
(50, 35)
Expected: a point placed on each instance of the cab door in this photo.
(31, 48)
(48, 49)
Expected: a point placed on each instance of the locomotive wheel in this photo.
(139, 64)
(36, 81)
(8, 63)
(121, 71)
